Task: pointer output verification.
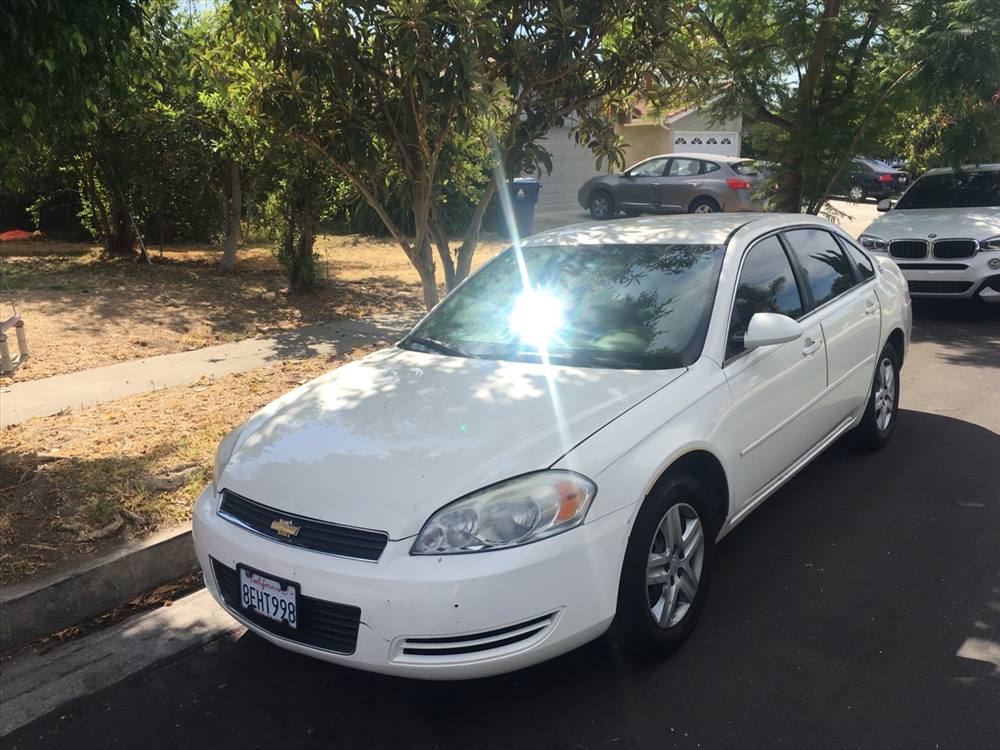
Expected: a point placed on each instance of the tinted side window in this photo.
(709, 166)
(766, 285)
(827, 270)
(651, 168)
(684, 167)
(862, 261)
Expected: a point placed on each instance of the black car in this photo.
(867, 178)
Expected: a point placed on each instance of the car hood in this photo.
(914, 223)
(384, 442)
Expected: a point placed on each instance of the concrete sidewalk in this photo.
(39, 398)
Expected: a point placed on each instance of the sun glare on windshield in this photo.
(536, 318)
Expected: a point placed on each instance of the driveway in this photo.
(859, 607)
(853, 217)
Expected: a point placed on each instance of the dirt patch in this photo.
(81, 311)
(77, 484)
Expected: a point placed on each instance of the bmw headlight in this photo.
(516, 511)
(872, 242)
(223, 453)
(993, 243)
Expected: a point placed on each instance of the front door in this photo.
(773, 388)
(638, 187)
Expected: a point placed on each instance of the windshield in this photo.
(953, 190)
(615, 306)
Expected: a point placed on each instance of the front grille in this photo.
(319, 536)
(955, 248)
(908, 249)
(938, 287)
(932, 266)
(326, 625)
(474, 643)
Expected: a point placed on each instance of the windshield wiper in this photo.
(439, 346)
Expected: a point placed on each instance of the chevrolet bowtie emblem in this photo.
(285, 528)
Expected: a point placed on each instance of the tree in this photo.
(822, 78)
(387, 93)
(54, 56)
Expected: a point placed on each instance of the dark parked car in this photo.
(867, 178)
(677, 183)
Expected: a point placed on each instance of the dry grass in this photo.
(74, 485)
(81, 311)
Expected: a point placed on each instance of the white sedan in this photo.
(945, 233)
(555, 450)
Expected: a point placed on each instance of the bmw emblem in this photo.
(932, 235)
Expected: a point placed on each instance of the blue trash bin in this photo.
(523, 197)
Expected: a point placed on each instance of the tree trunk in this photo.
(301, 277)
(789, 198)
(234, 211)
(121, 237)
(423, 260)
(444, 251)
(470, 240)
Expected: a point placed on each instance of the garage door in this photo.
(707, 142)
(572, 165)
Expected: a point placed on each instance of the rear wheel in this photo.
(601, 205)
(879, 419)
(667, 569)
(704, 206)
(857, 193)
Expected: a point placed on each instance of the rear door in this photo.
(773, 387)
(842, 293)
(640, 185)
(681, 184)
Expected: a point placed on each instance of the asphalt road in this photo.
(859, 607)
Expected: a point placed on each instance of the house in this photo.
(688, 129)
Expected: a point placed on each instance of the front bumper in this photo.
(965, 278)
(452, 604)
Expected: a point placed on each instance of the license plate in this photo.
(269, 597)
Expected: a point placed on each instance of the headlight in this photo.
(993, 243)
(223, 453)
(509, 513)
(872, 242)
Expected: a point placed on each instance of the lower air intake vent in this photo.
(476, 643)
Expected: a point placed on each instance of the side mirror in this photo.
(766, 329)
(884, 205)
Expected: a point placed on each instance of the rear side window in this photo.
(861, 261)
(827, 270)
(709, 166)
(684, 167)
(766, 285)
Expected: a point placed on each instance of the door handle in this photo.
(811, 347)
(871, 308)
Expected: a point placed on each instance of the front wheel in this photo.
(879, 419)
(601, 206)
(667, 569)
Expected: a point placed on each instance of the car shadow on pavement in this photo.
(859, 606)
(970, 330)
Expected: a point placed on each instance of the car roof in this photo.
(964, 168)
(696, 155)
(681, 229)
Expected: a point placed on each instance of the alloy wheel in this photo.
(673, 569)
(704, 208)
(600, 207)
(885, 394)
(857, 193)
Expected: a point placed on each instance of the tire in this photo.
(602, 205)
(857, 193)
(878, 424)
(643, 625)
(704, 206)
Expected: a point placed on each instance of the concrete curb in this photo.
(38, 608)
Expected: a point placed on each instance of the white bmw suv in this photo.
(944, 233)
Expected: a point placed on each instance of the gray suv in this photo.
(677, 183)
